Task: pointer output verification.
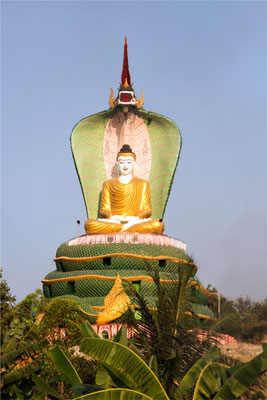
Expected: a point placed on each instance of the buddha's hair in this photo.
(126, 151)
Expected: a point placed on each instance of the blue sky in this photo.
(202, 64)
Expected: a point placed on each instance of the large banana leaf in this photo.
(103, 375)
(103, 379)
(121, 336)
(115, 394)
(119, 379)
(153, 364)
(31, 334)
(22, 353)
(45, 387)
(243, 378)
(85, 388)
(88, 330)
(64, 365)
(13, 336)
(127, 365)
(189, 380)
(21, 373)
(136, 351)
(209, 381)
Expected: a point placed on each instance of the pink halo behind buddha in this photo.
(127, 129)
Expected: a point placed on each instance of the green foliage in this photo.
(167, 332)
(209, 381)
(88, 330)
(24, 389)
(22, 372)
(103, 378)
(253, 317)
(7, 302)
(32, 305)
(22, 353)
(115, 394)
(153, 365)
(124, 366)
(45, 388)
(243, 318)
(83, 388)
(64, 365)
(13, 336)
(87, 368)
(166, 339)
(20, 360)
(62, 323)
(189, 380)
(243, 378)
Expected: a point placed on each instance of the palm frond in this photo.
(167, 331)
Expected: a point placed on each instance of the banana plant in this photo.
(189, 381)
(243, 377)
(126, 368)
(20, 362)
(131, 376)
(134, 379)
(13, 336)
(19, 358)
(209, 379)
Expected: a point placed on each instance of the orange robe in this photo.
(126, 199)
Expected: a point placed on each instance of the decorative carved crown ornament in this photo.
(126, 96)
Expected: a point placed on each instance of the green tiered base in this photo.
(86, 272)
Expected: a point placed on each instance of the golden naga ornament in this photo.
(116, 303)
(111, 99)
(140, 102)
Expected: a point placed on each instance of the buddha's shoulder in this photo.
(111, 182)
(140, 181)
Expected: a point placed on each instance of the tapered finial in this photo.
(125, 74)
(126, 96)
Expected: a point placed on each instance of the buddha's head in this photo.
(126, 160)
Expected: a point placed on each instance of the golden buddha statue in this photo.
(125, 202)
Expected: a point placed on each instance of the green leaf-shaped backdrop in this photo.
(96, 140)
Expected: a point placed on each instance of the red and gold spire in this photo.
(125, 73)
(126, 97)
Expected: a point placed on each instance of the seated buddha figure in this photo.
(125, 202)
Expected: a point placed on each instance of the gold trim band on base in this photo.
(113, 278)
(150, 308)
(130, 255)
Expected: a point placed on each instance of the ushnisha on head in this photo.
(126, 96)
(126, 160)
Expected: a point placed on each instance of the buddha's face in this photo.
(126, 165)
